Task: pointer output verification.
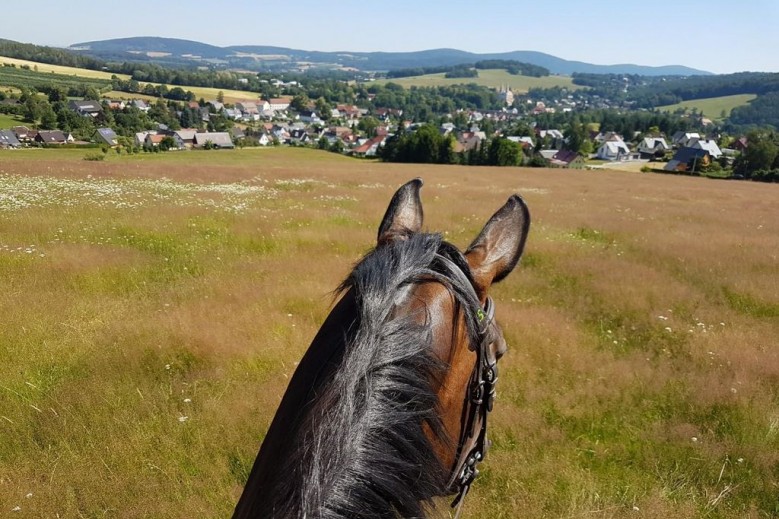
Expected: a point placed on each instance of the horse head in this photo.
(388, 408)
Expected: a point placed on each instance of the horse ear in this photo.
(497, 249)
(404, 214)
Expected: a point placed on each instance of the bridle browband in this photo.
(473, 443)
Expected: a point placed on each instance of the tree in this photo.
(48, 118)
(503, 152)
(299, 102)
(32, 109)
(220, 97)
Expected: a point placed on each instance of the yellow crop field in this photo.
(489, 78)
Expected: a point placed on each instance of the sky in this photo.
(720, 36)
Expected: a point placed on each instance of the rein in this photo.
(473, 443)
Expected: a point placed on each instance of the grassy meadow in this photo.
(493, 78)
(153, 307)
(712, 107)
(9, 121)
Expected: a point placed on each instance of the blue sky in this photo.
(716, 35)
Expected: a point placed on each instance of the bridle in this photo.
(473, 443)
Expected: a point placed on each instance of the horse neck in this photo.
(279, 448)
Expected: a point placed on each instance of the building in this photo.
(106, 136)
(216, 139)
(689, 159)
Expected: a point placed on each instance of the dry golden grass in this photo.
(641, 379)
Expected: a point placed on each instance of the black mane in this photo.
(362, 451)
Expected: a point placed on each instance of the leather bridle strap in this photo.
(473, 443)
(481, 394)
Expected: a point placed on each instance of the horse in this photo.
(387, 410)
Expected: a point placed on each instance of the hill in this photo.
(172, 50)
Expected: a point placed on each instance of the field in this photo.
(152, 308)
(230, 96)
(712, 107)
(59, 69)
(488, 78)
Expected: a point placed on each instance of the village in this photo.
(362, 132)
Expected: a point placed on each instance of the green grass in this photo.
(493, 78)
(711, 107)
(9, 121)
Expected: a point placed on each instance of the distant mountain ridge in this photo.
(171, 50)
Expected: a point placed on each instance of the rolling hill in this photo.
(172, 50)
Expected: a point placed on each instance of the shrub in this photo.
(94, 156)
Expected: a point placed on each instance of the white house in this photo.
(278, 104)
(682, 139)
(708, 145)
(652, 146)
(613, 150)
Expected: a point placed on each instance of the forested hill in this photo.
(192, 52)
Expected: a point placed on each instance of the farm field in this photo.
(712, 107)
(59, 69)
(230, 96)
(489, 78)
(153, 307)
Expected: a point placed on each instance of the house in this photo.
(613, 150)
(153, 140)
(184, 138)
(310, 117)
(567, 159)
(216, 139)
(140, 137)
(740, 144)
(86, 108)
(115, 105)
(525, 142)
(24, 134)
(299, 136)
(249, 110)
(447, 128)
(106, 136)
(263, 139)
(140, 104)
(468, 141)
(233, 113)
(53, 137)
(706, 144)
(653, 147)
(237, 133)
(8, 139)
(607, 137)
(689, 159)
(218, 107)
(681, 139)
(279, 103)
(369, 148)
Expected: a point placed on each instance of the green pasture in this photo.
(712, 107)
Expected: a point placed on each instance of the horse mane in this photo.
(361, 450)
